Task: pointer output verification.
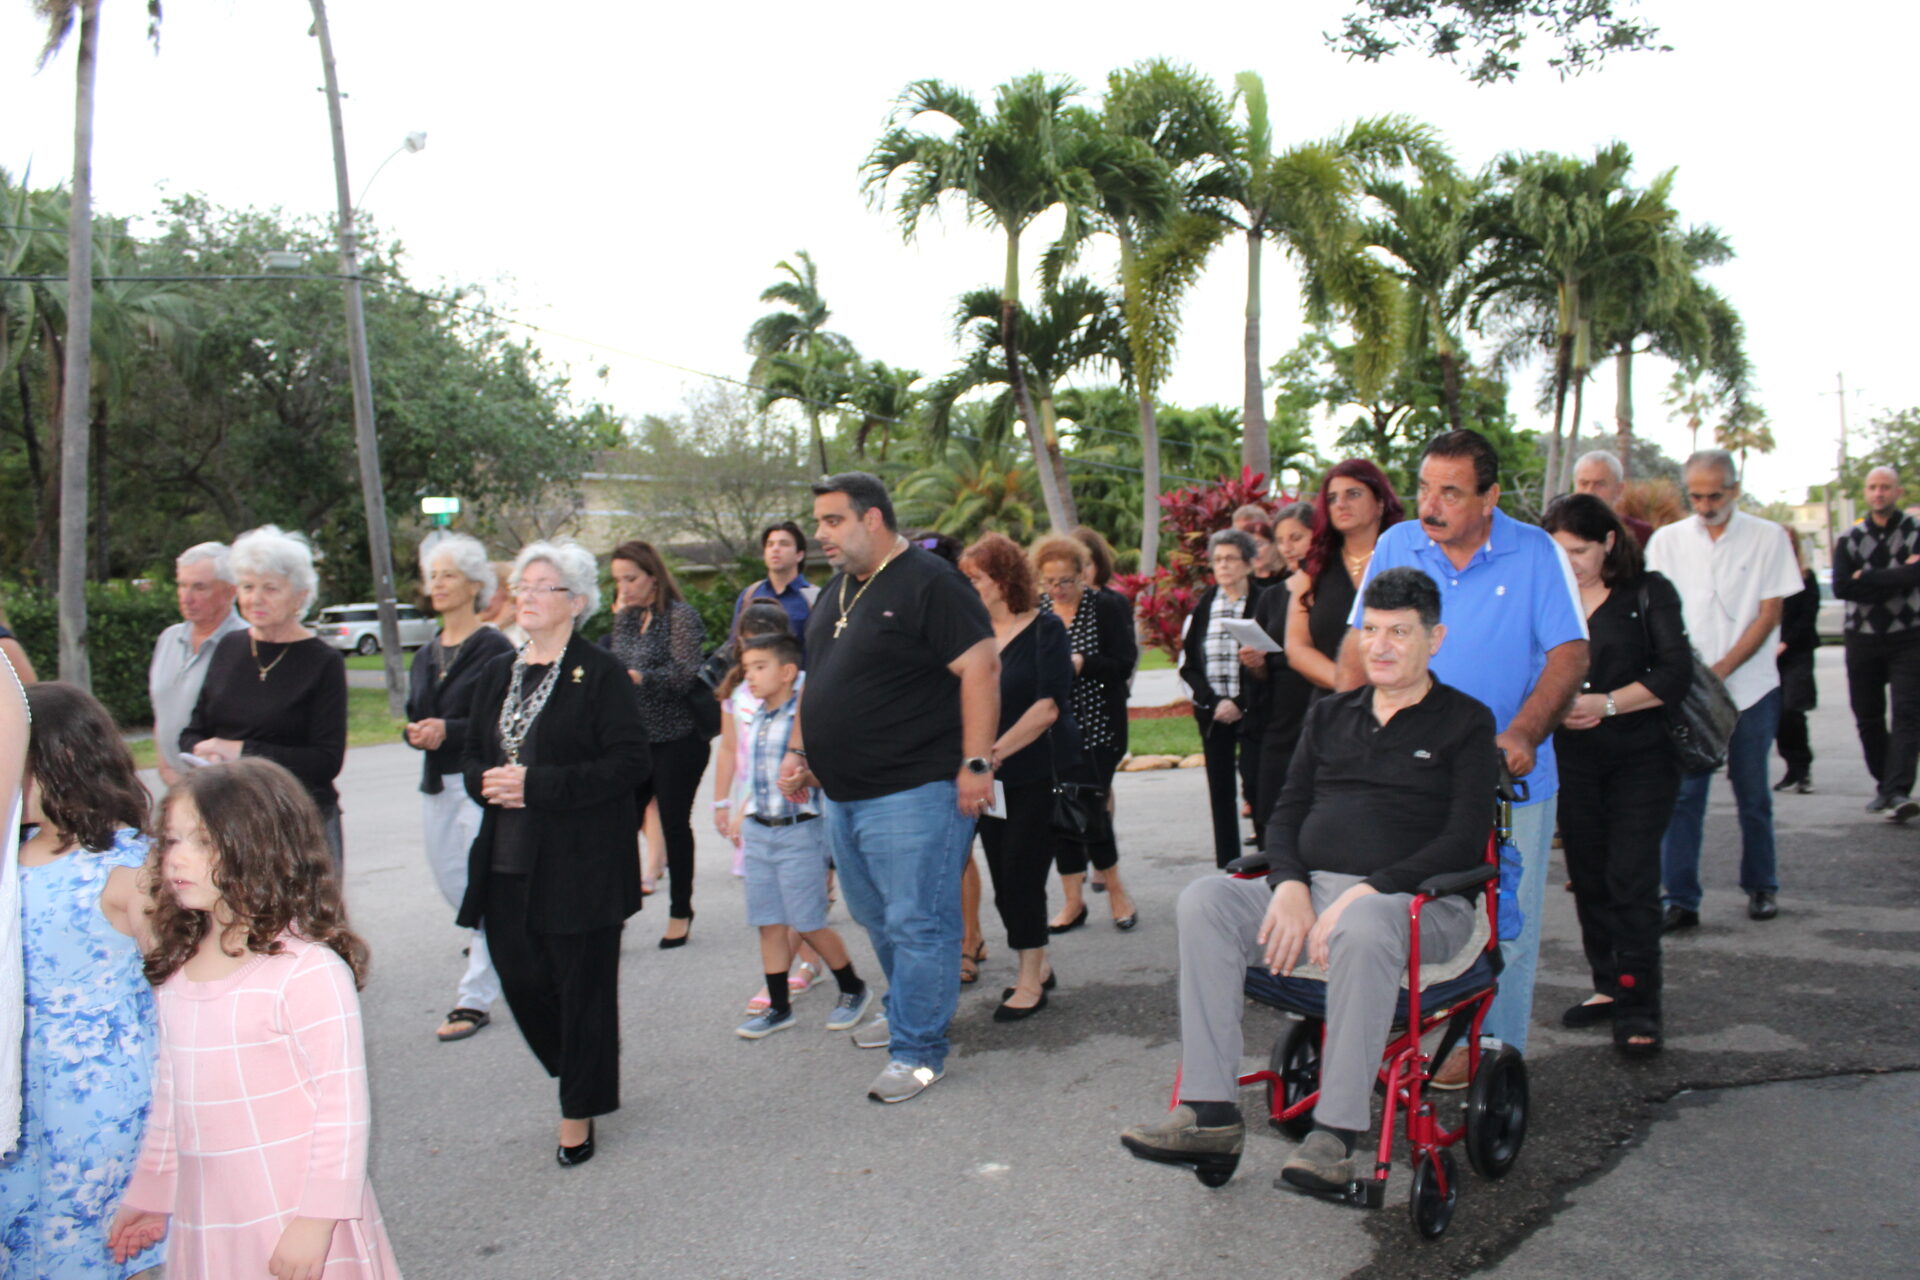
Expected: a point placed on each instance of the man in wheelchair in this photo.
(1389, 785)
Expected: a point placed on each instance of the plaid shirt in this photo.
(768, 731)
(1222, 650)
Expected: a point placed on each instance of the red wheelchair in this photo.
(1454, 997)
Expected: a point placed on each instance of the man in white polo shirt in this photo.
(1733, 571)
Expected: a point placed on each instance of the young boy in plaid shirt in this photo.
(785, 846)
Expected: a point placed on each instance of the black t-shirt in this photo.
(880, 712)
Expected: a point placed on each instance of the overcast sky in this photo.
(628, 175)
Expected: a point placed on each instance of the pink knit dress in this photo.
(260, 1116)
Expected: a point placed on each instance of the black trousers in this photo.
(1071, 856)
(1793, 743)
(1220, 743)
(564, 990)
(677, 766)
(1253, 732)
(1019, 849)
(1614, 806)
(1877, 666)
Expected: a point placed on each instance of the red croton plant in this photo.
(1163, 598)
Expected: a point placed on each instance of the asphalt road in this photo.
(731, 1158)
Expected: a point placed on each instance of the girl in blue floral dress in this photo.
(90, 1012)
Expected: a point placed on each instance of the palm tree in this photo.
(1155, 156)
(1433, 233)
(1689, 393)
(977, 486)
(1008, 167)
(1563, 225)
(1077, 324)
(795, 357)
(884, 398)
(1305, 198)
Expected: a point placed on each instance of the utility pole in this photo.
(1840, 470)
(366, 439)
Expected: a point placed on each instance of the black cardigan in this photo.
(1625, 648)
(1193, 661)
(592, 753)
(1110, 666)
(450, 699)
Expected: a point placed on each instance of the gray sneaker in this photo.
(1320, 1164)
(761, 1025)
(900, 1081)
(874, 1035)
(1178, 1139)
(1902, 809)
(849, 1009)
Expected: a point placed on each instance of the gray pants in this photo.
(1219, 922)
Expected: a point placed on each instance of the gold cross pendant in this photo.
(839, 626)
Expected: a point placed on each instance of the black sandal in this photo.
(1631, 1024)
(466, 1022)
(976, 959)
(1588, 1013)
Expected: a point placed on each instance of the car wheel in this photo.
(368, 646)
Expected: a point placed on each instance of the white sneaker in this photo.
(875, 1035)
(900, 1081)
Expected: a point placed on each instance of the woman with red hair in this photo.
(1356, 505)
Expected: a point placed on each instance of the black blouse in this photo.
(1287, 692)
(1626, 647)
(1102, 634)
(667, 655)
(287, 702)
(441, 689)
(1038, 664)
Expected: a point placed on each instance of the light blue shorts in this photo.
(786, 873)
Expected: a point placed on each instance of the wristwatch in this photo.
(1611, 709)
(977, 765)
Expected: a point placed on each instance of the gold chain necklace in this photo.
(253, 642)
(846, 608)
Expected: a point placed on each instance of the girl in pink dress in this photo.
(257, 1141)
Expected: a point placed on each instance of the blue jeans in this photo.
(1513, 1003)
(900, 857)
(1747, 751)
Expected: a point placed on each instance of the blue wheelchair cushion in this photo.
(1308, 996)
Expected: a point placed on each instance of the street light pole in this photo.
(366, 439)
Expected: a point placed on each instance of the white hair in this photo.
(215, 553)
(1605, 459)
(1718, 458)
(469, 557)
(578, 570)
(271, 549)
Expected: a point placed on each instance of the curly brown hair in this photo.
(271, 866)
(999, 557)
(89, 786)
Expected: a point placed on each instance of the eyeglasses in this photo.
(1059, 584)
(527, 590)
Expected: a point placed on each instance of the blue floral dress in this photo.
(89, 1070)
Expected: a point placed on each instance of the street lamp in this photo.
(413, 142)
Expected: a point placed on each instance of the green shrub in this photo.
(123, 622)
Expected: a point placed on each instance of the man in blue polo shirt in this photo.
(783, 549)
(1517, 641)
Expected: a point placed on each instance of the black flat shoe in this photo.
(1761, 906)
(668, 944)
(568, 1157)
(1007, 1013)
(1124, 923)
(1053, 980)
(1072, 924)
(1588, 1015)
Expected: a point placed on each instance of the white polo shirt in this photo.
(1721, 584)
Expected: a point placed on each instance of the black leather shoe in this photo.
(571, 1156)
(668, 944)
(1791, 782)
(1678, 918)
(1588, 1015)
(1879, 804)
(1053, 980)
(1008, 1013)
(1761, 906)
(1072, 924)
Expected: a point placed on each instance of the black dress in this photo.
(1290, 694)
(1799, 631)
(1102, 634)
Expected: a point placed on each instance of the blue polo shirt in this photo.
(1515, 600)
(797, 600)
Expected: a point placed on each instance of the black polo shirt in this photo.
(880, 712)
(1394, 803)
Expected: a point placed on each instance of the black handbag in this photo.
(702, 705)
(1702, 725)
(1080, 813)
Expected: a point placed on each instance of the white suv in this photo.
(355, 628)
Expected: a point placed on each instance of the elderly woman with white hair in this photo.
(555, 750)
(275, 689)
(459, 581)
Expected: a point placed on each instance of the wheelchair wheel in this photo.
(1432, 1211)
(1296, 1060)
(1497, 1109)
